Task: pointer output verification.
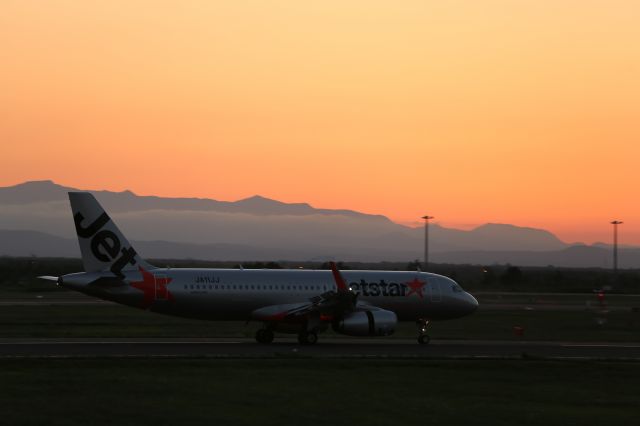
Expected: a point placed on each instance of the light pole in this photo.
(426, 240)
(615, 224)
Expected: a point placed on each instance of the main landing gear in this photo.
(264, 335)
(308, 338)
(423, 337)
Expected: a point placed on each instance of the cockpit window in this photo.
(456, 288)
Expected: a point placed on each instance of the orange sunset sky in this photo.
(522, 112)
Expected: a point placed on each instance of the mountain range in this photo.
(35, 219)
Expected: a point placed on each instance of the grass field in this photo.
(484, 297)
(316, 392)
(118, 321)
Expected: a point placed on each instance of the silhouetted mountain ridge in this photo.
(32, 243)
(262, 227)
(47, 190)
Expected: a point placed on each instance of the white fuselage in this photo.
(233, 294)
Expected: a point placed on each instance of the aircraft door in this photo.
(435, 290)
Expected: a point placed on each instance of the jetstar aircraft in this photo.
(304, 302)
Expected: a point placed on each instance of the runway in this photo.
(622, 303)
(328, 348)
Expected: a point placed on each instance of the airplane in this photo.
(297, 301)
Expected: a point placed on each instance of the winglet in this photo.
(337, 276)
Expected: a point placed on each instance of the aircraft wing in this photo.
(298, 312)
(327, 306)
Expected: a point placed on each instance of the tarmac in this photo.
(623, 302)
(330, 347)
(325, 348)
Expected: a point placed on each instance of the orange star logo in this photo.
(153, 288)
(416, 286)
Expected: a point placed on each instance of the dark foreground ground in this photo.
(366, 348)
(317, 392)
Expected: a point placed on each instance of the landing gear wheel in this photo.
(423, 337)
(264, 335)
(307, 338)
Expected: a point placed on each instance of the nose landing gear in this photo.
(423, 337)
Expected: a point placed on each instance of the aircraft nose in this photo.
(471, 303)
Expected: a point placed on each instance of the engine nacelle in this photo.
(367, 323)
